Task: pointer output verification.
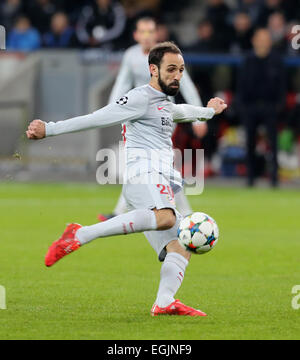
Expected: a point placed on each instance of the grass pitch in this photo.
(106, 289)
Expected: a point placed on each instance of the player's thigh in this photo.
(149, 192)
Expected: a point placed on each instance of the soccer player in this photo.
(134, 72)
(149, 179)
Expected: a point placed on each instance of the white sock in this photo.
(121, 206)
(134, 221)
(171, 277)
(182, 204)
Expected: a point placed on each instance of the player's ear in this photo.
(153, 70)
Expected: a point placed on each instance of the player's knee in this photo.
(174, 246)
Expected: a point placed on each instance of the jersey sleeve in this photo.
(130, 107)
(190, 113)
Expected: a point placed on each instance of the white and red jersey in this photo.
(148, 116)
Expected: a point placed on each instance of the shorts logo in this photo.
(123, 100)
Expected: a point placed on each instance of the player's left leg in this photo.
(164, 241)
(171, 277)
(175, 261)
(172, 273)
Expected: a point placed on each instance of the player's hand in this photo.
(36, 130)
(199, 129)
(217, 104)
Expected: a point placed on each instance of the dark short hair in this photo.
(159, 50)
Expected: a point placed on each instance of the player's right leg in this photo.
(153, 210)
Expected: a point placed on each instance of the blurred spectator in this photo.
(135, 10)
(218, 13)
(61, 35)
(261, 96)
(251, 7)
(72, 8)
(278, 28)
(23, 37)
(268, 8)
(139, 6)
(170, 10)
(9, 10)
(207, 42)
(40, 13)
(242, 33)
(290, 9)
(101, 23)
(164, 34)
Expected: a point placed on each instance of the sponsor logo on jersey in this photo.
(166, 121)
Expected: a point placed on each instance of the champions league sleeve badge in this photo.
(123, 100)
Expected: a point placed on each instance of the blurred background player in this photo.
(134, 72)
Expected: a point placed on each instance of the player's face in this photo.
(145, 34)
(170, 73)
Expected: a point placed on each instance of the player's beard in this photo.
(168, 89)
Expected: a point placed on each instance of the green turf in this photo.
(106, 289)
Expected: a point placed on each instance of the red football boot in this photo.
(63, 246)
(176, 308)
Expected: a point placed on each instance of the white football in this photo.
(198, 233)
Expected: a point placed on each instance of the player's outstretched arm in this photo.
(129, 108)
